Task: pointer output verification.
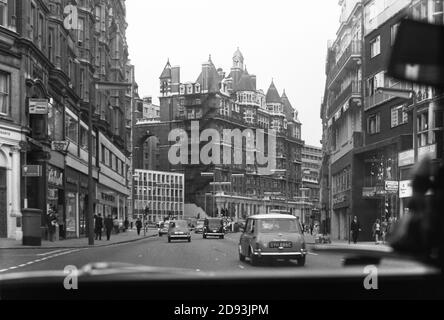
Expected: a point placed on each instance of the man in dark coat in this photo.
(98, 226)
(109, 224)
(138, 226)
(355, 229)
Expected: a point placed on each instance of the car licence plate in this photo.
(285, 245)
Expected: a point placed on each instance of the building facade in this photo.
(53, 69)
(159, 196)
(311, 169)
(374, 179)
(221, 101)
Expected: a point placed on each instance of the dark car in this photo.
(214, 227)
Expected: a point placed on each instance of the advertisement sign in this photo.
(405, 189)
(391, 186)
(427, 151)
(55, 176)
(369, 192)
(406, 158)
(61, 146)
(32, 171)
(38, 106)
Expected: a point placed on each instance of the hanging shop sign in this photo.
(32, 171)
(38, 106)
(405, 189)
(369, 192)
(61, 146)
(406, 158)
(55, 177)
(392, 186)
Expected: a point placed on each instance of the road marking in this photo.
(241, 267)
(64, 253)
(48, 253)
(313, 254)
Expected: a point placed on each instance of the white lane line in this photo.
(48, 253)
(313, 254)
(64, 253)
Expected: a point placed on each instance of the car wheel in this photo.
(189, 239)
(160, 234)
(204, 236)
(169, 240)
(301, 262)
(221, 237)
(254, 260)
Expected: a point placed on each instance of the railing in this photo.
(379, 98)
(353, 50)
(353, 89)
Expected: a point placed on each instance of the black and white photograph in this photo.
(221, 156)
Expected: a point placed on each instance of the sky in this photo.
(284, 40)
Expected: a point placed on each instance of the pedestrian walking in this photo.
(116, 225)
(355, 229)
(109, 227)
(138, 226)
(98, 226)
(384, 230)
(52, 223)
(126, 224)
(377, 231)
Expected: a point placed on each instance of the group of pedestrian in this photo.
(99, 224)
(380, 230)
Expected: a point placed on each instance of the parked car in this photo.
(163, 228)
(214, 227)
(179, 230)
(272, 236)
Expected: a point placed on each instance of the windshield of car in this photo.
(179, 224)
(214, 223)
(278, 226)
(273, 117)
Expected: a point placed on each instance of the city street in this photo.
(200, 255)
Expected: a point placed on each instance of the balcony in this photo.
(353, 90)
(348, 58)
(379, 98)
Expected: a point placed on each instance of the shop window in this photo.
(72, 129)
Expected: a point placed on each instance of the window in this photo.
(182, 89)
(375, 47)
(375, 82)
(51, 45)
(83, 138)
(393, 33)
(3, 13)
(72, 129)
(5, 79)
(399, 116)
(197, 88)
(189, 89)
(81, 31)
(374, 123)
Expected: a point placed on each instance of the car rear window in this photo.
(279, 225)
(214, 223)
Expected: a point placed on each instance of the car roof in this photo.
(272, 216)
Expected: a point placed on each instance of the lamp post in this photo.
(235, 175)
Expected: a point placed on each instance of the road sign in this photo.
(32, 171)
(38, 106)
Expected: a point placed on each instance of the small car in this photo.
(199, 227)
(179, 230)
(272, 236)
(214, 227)
(163, 228)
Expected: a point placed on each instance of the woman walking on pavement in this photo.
(355, 229)
(109, 224)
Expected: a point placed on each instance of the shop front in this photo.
(108, 202)
(10, 181)
(341, 216)
(56, 196)
(76, 204)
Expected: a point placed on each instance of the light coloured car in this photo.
(272, 236)
(179, 230)
(163, 228)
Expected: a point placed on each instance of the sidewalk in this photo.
(126, 237)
